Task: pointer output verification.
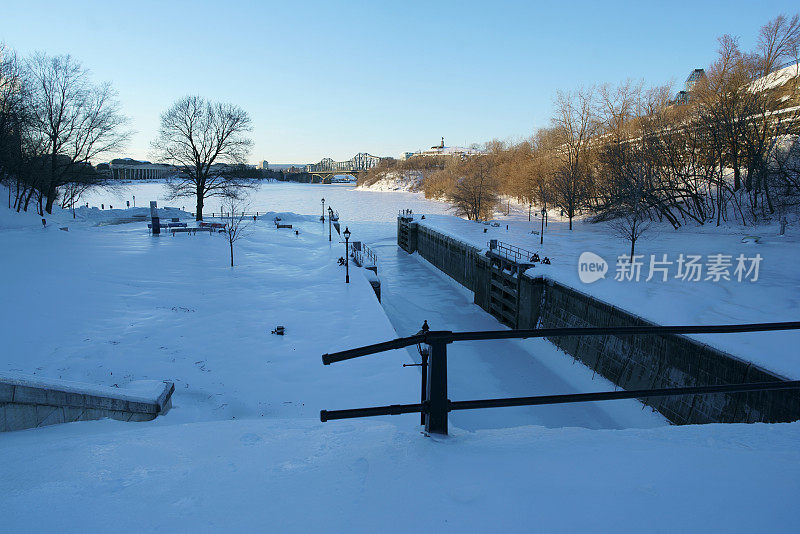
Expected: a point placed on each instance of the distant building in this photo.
(683, 97)
(442, 150)
(264, 165)
(131, 169)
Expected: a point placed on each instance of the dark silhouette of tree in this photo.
(201, 139)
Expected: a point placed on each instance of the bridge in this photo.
(327, 167)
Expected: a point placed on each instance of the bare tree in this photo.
(778, 41)
(198, 137)
(630, 227)
(474, 191)
(10, 114)
(235, 220)
(72, 120)
(575, 125)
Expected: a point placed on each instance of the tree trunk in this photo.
(231, 243)
(199, 213)
(51, 197)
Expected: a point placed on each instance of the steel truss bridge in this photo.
(360, 163)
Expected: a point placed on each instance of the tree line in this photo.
(54, 120)
(726, 151)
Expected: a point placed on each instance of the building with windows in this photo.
(442, 150)
(683, 97)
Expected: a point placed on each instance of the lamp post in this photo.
(346, 235)
(541, 236)
(134, 201)
(323, 211)
(330, 222)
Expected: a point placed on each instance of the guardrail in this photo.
(513, 252)
(434, 404)
(365, 255)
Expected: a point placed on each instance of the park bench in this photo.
(168, 226)
(191, 231)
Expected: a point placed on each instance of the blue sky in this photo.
(335, 78)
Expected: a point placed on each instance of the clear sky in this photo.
(335, 78)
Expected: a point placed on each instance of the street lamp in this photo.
(541, 236)
(323, 211)
(346, 235)
(330, 222)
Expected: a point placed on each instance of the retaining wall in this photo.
(29, 402)
(631, 362)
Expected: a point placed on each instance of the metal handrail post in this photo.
(436, 395)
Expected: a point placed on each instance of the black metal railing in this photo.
(514, 253)
(365, 255)
(434, 404)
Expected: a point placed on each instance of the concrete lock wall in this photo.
(29, 402)
(631, 362)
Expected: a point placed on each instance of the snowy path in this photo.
(413, 290)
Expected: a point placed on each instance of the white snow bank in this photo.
(287, 475)
(406, 181)
(118, 216)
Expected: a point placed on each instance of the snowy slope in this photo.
(408, 181)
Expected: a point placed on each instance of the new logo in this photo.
(591, 267)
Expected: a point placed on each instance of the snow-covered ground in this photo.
(295, 475)
(242, 447)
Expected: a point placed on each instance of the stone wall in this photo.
(28, 402)
(631, 362)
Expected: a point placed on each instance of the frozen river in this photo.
(413, 291)
(305, 199)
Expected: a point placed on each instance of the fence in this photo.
(513, 252)
(363, 255)
(434, 404)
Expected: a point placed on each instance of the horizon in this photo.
(314, 90)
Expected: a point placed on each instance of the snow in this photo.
(289, 475)
(112, 305)
(772, 298)
(777, 78)
(408, 181)
(243, 448)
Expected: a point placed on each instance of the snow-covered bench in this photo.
(192, 230)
